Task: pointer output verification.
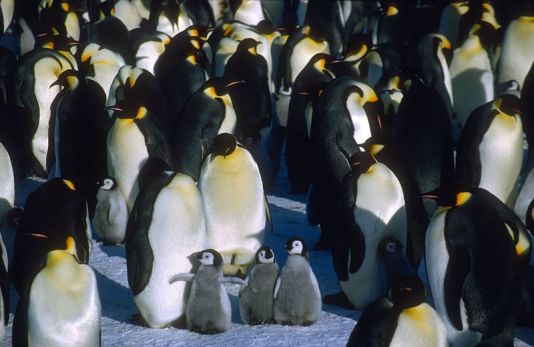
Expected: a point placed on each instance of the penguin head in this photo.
(265, 255)
(486, 33)
(224, 144)
(210, 257)
(107, 183)
(361, 162)
(267, 29)
(358, 46)
(320, 62)
(248, 45)
(68, 79)
(508, 104)
(442, 43)
(408, 292)
(297, 246)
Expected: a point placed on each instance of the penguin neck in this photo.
(62, 267)
(472, 44)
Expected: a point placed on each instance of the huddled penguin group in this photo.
(406, 125)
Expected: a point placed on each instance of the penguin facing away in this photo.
(62, 305)
(256, 297)
(111, 212)
(234, 202)
(297, 299)
(165, 227)
(208, 307)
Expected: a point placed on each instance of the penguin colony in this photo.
(160, 125)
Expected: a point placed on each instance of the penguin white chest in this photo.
(419, 326)
(362, 129)
(303, 52)
(64, 313)
(177, 231)
(501, 155)
(250, 12)
(127, 153)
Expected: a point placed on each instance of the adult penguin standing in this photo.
(307, 86)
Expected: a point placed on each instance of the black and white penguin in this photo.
(111, 213)
(234, 202)
(256, 298)
(169, 17)
(59, 17)
(517, 51)
(252, 99)
(490, 148)
(307, 86)
(324, 19)
(468, 245)
(248, 11)
(61, 306)
(208, 112)
(52, 212)
(402, 317)
(379, 211)
(135, 135)
(165, 227)
(471, 72)
(208, 307)
(450, 20)
(147, 47)
(297, 299)
(29, 98)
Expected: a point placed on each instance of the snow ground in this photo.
(289, 219)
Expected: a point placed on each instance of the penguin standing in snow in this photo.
(297, 299)
(61, 306)
(401, 318)
(256, 298)
(208, 307)
(111, 212)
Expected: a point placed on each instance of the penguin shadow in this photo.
(116, 300)
(113, 250)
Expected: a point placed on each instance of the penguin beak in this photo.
(114, 108)
(56, 83)
(235, 83)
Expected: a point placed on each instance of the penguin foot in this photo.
(338, 299)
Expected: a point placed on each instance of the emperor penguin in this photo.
(53, 212)
(468, 245)
(169, 17)
(59, 17)
(471, 72)
(310, 81)
(234, 202)
(256, 297)
(127, 13)
(400, 318)
(207, 112)
(29, 100)
(517, 51)
(208, 307)
(148, 47)
(248, 11)
(379, 211)
(61, 306)
(7, 185)
(490, 148)
(111, 212)
(165, 227)
(450, 20)
(135, 135)
(297, 299)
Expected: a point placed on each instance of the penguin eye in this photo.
(262, 254)
(391, 247)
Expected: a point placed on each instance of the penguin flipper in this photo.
(277, 287)
(186, 277)
(233, 280)
(453, 283)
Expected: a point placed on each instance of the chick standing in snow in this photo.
(297, 300)
(256, 298)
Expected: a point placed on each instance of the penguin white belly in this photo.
(362, 129)
(8, 7)
(446, 75)
(127, 153)
(303, 52)
(177, 231)
(147, 55)
(165, 26)
(45, 71)
(111, 216)
(250, 12)
(127, 13)
(472, 82)
(230, 120)
(106, 70)
(234, 204)
(225, 303)
(73, 26)
(64, 314)
(517, 52)
(419, 326)
(501, 156)
(379, 212)
(7, 184)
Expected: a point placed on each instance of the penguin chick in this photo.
(297, 299)
(256, 298)
(111, 212)
(208, 307)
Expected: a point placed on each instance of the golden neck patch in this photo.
(462, 198)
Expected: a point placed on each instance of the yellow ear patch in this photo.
(71, 245)
(195, 44)
(373, 97)
(141, 112)
(461, 198)
(192, 59)
(193, 32)
(49, 45)
(210, 92)
(69, 184)
(253, 50)
(65, 6)
(392, 10)
(374, 149)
